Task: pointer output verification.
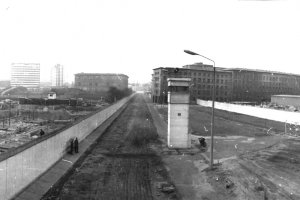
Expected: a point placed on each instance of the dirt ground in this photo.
(253, 160)
(123, 165)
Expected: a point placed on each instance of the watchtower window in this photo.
(178, 89)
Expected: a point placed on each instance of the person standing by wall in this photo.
(42, 132)
(76, 145)
(71, 146)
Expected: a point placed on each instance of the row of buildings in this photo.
(232, 84)
(28, 75)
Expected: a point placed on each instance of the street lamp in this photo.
(213, 106)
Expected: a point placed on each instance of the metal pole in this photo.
(212, 119)
(9, 113)
(213, 106)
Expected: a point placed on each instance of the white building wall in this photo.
(25, 74)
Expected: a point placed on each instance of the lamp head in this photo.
(190, 52)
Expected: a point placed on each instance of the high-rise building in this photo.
(57, 76)
(25, 74)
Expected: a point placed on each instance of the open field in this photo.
(254, 158)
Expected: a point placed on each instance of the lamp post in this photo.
(213, 106)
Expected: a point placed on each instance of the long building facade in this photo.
(100, 81)
(25, 74)
(232, 84)
(260, 85)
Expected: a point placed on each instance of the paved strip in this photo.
(39, 187)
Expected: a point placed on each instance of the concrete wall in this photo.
(20, 166)
(287, 100)
(178, 126)
(178, 120)
(265, 113)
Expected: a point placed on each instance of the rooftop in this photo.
(99, 74)
(186, 67)
(200, 66)
(258, 70)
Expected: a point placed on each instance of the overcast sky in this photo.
(135, 36)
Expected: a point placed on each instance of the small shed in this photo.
(51, 95)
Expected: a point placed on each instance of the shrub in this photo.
(140, 136)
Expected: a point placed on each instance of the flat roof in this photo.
(100, 74)
(218, 69)
(169, 68)
(222, 69)
(258, 70)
